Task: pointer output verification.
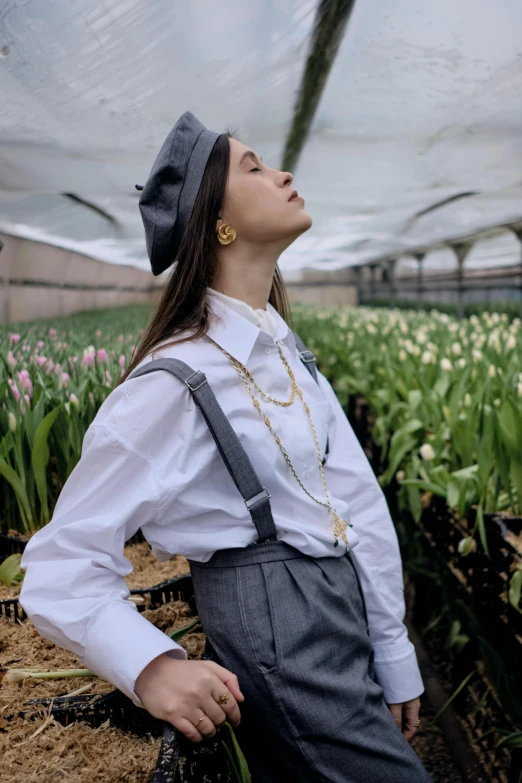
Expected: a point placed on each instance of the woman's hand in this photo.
(181, 692)
(406, 715)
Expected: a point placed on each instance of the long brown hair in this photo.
(182, 306)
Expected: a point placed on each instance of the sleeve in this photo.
(376, 556)
(73, 589)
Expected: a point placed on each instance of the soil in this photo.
(75, 753)
(147, 570)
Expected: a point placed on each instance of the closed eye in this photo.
(256, 169)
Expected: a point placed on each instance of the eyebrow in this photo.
(249, 154)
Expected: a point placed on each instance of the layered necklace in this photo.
(246, 377)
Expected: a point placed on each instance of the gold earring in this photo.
(226, 234)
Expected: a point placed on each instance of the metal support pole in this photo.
(518, 233)
(358, 280)
(392, 264)
(420, 277)
(373, 268)
(461, 250)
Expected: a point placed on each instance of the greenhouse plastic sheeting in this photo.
(423, 103)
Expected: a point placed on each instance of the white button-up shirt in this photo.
(149, 460)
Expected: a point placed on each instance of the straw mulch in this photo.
(41, 748)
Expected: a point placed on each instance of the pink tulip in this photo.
(52, 333)
(98, 332)
(57, 368)
(40, 344)
(11, 361)
(13, 338)
(14, 388)
(64, 380)
(74, 399)
(41, 360)
(121, 338)
(122, 361)
(101, 355)
(87, 360)
(25, 382)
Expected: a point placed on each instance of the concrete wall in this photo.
(313, 286)
(38, 280)
(322, 295)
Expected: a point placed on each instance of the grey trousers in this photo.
(294, 630)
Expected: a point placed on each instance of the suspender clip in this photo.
(248, 501)
(193, 388)
(307, 356)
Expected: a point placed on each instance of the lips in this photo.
(293, 195)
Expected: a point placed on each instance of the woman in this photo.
(254, 474)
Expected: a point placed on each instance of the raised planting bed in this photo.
(459, 604)
(144, 581)
(486, 578)
(99, 734)
(362, 420)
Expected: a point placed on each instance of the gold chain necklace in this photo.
(340, 524)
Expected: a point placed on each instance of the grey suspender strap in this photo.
(234, 456)
(308, 360)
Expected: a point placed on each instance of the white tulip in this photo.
(457, 349)
(445, 364)
(427, 357)
(12, 421)
(467, 545)
(427, 453)
(399, 475)
(491, 371)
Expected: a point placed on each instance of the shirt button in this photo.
(268, 350)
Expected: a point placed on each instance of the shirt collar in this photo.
(237, 335)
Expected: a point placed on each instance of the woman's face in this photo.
(257, 200)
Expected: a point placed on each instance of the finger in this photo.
(396, 711)
(230, 707)
(187, 728)
(206, 727)
(411, 718)
(228, 678)
(210, 706)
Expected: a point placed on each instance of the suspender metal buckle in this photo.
(255, 496)
(309, 354)
(193, 388)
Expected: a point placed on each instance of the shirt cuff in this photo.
(121, 642)
(398, 675)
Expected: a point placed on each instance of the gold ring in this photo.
(199, 721)
(224, 698)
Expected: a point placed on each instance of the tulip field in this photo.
(443, 402)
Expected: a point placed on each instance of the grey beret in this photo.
(169, 194)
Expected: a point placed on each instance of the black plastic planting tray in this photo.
(179, 760)
(178, 588)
